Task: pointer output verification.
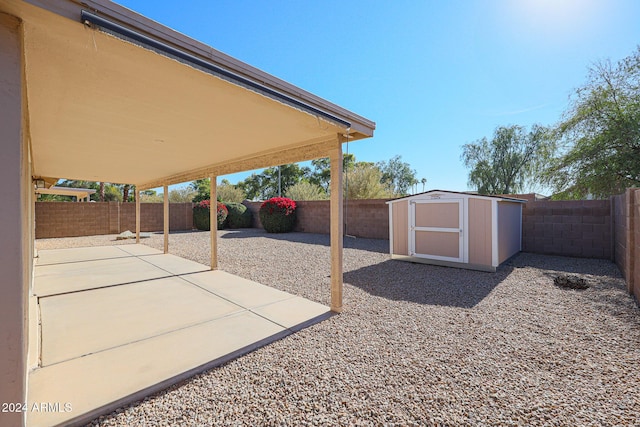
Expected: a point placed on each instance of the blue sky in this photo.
(433, 75)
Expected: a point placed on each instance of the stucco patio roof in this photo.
(155, 106)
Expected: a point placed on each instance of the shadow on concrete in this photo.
(426, 284)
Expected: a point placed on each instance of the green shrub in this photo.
(239, 216)
(278, 215)
(201, 218)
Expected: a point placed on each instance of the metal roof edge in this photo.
(511, 199)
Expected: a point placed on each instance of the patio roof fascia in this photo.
(315, 150)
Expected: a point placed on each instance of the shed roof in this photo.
(465, 193)
(114, 96)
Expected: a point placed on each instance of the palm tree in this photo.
(125, 192)
(101, 192)
(414, 185)
(424, 182)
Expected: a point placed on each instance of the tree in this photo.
(229, 193)
(181, 195)
(304, 190)
(510, 162)
(398, 175)
(600, 134)
(321, 174)
(150, 196)
(423, 181)
(364, 182)
(202, 189)
(126, 188)
(265, 185)
(111, 192)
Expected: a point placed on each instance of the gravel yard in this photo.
(416, 344)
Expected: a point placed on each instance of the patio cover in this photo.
(78, 193)
(151, 107)
(144, 115)
(93, 91)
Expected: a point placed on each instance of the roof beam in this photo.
(296, 154)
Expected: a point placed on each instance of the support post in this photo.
(336, 215)
(166, 219)
(137, 215)
(213, 221)
(15, 260)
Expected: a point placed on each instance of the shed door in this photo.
(436, 229)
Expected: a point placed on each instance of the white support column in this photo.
(213, 222)
(137, 215)
(166, 219)
(337, 228)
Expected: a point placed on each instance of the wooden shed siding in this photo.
(444, 215)
(479, 231)
(401, 227)
(508, 230)
(437, 243)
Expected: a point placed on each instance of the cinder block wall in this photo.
(572, 228)
(254, 207)
(580, 228)
(608, 229)
(363, 218)
(634, 242)
(626, 217)
(620, 217)
(68, 219)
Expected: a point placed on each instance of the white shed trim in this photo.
(494, 233)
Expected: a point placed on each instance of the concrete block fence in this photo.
(626, 237)
(363, 218)
(608, 229)
(579, 228)
(69, 219)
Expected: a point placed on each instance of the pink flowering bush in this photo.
(278, 215)
(201, 215)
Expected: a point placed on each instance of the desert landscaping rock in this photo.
(416, 344)
(130, 235)
(126, 235)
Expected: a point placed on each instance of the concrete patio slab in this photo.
(81, 323)
(291, 313)
(59, 256)
(174, 264)
(77, 276)
(132, 371)
(237, 289)
(112, 331)
(138, 250)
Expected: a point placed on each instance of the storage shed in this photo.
(455, 229)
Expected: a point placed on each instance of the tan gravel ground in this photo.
(416, 345)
